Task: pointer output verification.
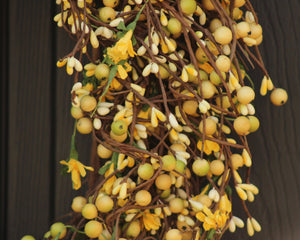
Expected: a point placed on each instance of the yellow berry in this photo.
(223, 63)
(102, 71)
(88, 103)
(103, 152)
(107, 14)
(93, 229)
(201, 56)
(163, 182)
(245, 95)
(223, 35)
(104, 203)
(210, 126)
(176, 205)
(243, 29)
(89, 211)
(118, 138)
(188, 6)
(169, 162)
(237, 161)
(208, 5)
(190, 107)
(208, 89)
(214, 24)
(143, 198)
(57, 228)
(279, 96)
(217, 167)
(174, 26)
(173, 234)
(84, 125)
(105, 235)
(145, 171)
(78, 203)
(256, 30)
(134, 229)
(110, 3)
(200, 167)
(254, 122)
(242, 125)
(76, 112)
(27, 237)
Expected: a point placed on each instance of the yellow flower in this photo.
(209, 146)
(123, 49)
(151, 221)
(76, 168)
(211, 220)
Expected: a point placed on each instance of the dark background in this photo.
(36, 125)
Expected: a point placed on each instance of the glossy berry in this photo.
(254, 122)
(217, 167)
(210, 126)
(89, 211)
(58, 228)
(174, 26)
(200, 167)
(104, 203)
(242, 125)
(169, 162)
(134, 229)
(173, 234)
(93, 229)
(143, 198)
(107, 14)
(102, 71)
(245, 95)
(103, 152)
(110, 3)
(88, 103)
(223, 35)
(163, 182)
(188, 6)
(279, 96)
(78, 203)
(119, 127)
(145, 171)
(223, 63)
(176, 205)
(84, 125)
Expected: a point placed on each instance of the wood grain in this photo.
(29, 117)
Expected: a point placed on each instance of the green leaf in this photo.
(103, 169)
(112, 74)
(120, 34)
(64, 170)
(113, 234)
(121, 26)
(57, 236)
(210, 234)
(114, 159)
(145, 108)
(132, 25)
(228, 190)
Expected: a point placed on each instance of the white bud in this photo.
(97, 123)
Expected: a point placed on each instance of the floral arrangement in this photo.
(162, 88)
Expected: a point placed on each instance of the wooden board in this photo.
(29, 118)
(36, 125)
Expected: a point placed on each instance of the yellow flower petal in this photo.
(122, 72)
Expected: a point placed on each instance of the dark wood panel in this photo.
(276, 146)
(30, 100)
(64, 127)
